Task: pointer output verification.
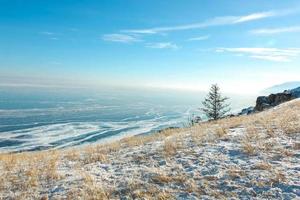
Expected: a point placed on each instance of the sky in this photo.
(244, 46)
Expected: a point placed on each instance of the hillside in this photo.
(250, 157)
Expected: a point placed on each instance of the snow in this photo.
(219, 166)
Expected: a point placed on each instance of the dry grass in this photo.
(72, 155)
(191, 186)
(248, 148)
(296, 146)
(268, 145)
(94, 154)
(249, 139)
(235, 173)
(221, 131)
(286, 152)
(263, 166)
(170, 147)
(164, 195)
(277, 177)
(162, 178)
(90, 190)
(50, 172)
(24, 174)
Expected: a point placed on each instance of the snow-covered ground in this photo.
(248, 157)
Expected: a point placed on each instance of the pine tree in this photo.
(214, 105)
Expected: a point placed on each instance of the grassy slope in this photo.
(248, 156)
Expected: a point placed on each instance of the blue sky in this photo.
(244, 46)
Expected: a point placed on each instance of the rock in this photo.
(296, 92)
(265, 102)
(104, 166)
(162, 162)
(247, 111)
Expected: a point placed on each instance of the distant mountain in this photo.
(281, 87)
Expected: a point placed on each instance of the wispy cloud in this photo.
(199, 38)
(217, 21)
(50, 35)
(255, 16)
(47, 33)
(270, 31)
(123, 38)
(163, 45)
(270, 54)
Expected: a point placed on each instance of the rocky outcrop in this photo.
(265, 102)
(296, 92)
(247, 111)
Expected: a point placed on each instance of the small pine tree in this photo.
(214, 105)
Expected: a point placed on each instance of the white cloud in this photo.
(203, 37)
(217, 21)
(123, 38)
(256, 16)
(50, 35)
(270, 31)
(270, 54)
(163, 45)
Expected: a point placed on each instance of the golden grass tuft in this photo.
(235, 173)
(170, 147)
(90, 190)
(161, 178)
(248, 148)
(72, 155)
(164, 195)
(94, 154)
(221, 131)
(51, 166)
(277, 177)
(296, 146)
(263, 166)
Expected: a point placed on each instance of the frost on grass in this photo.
(249, 157)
